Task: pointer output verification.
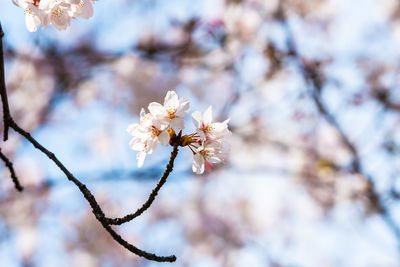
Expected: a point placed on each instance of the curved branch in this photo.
(97, 211)
(152, 196)
(9, 165)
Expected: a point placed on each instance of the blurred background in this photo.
(313, 92)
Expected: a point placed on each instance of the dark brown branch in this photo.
(3, 92)
(9, 165)
(97, 211)
(152, 196)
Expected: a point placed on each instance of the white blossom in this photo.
(172, 112)
(208, 129)
(81, 8)
(209, 151)
(147, 134)
(33, 15)
(207, 143)
(58, 13)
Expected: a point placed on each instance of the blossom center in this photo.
(205, 153)
(171, 110)
(34, 2)
(154, 131)
(57, 12)
(29, 11)
(206, 128)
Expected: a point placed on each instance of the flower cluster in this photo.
(59, 13)
(160, 124)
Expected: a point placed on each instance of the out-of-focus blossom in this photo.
(82, 9)
(59, 13)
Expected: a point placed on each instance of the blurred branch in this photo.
(97, 211)
(314, 78)
(9, 165)
(383, 97)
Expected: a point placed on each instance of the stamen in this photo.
(171, 112)
(155, 132)
(57, 12)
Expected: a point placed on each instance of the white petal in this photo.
(21, 3)
(214, 159)
(45, 20)
(177, 124)
(171, 99)
(163, 138)
(219, 129)
(32, 21)
(197, 119)
(198, 164)
(75, 2)
(142, 113)
(61, 20)
(226, 121)
(160, 124)
(136, 144)
(183, 107)
(201, 134)
(132, 128)
(47, 4)
(86, 9)
(156, 109)
(152, 144)
(207, 116)
(141, 156)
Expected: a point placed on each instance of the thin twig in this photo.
(152, 196)
(9, 165)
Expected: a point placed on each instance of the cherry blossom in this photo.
(147, 134)
(33, 14)
(172, 112)
(209, 151)
(208, 129)
(81, 8)
(161, 124)
(58, 13)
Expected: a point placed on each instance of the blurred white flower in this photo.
(33, 15)
(59, 13)
(81, 8)
(172, 112)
